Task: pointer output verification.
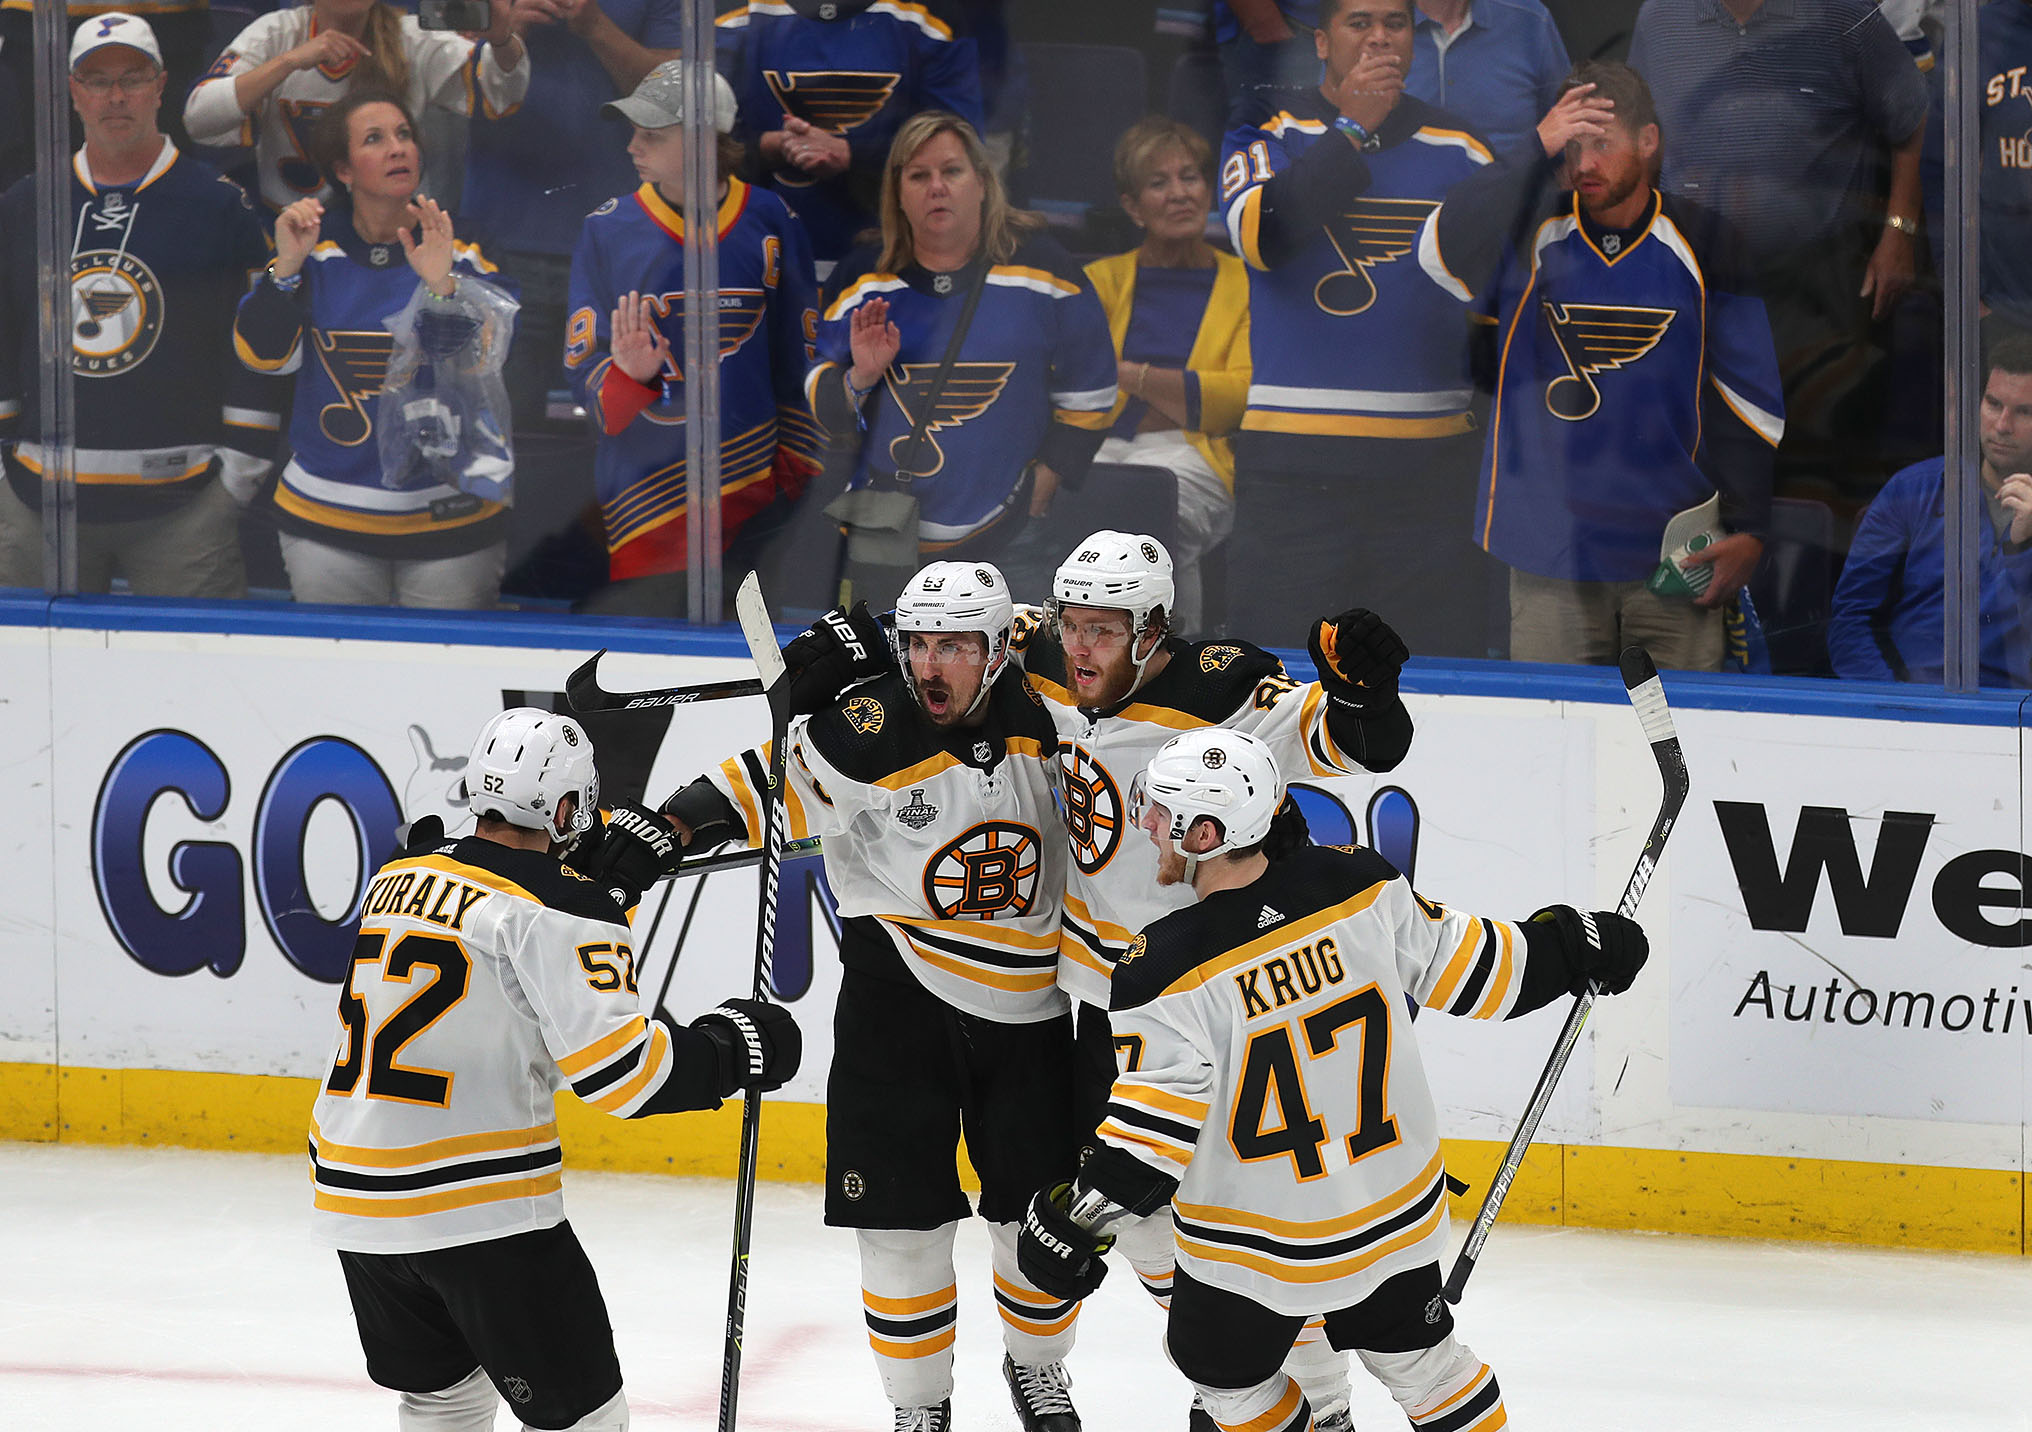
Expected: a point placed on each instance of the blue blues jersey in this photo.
(768, 316)
(858, 68)
(155, 268)
(1636, 375)
(1349, 338)
(2004, 81)
(534, 174)
(1034, 381)
(330, 333)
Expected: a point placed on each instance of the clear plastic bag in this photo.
(442, 419)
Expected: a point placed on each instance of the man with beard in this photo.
(1119, 685)
(932, 787)
(1273, 1105)
(1636, 380)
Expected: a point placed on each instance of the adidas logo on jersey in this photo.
(1268, 918)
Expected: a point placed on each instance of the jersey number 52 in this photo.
(1271, 1077)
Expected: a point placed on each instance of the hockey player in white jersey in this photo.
(487, 977)
(932, 787)
(1119, 685)
(1271, 1098)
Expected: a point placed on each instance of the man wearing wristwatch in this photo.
(1783, 115)
(1355, 462)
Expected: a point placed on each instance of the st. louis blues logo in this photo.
(1372, 232)
(357, 363)
(1595, 338)
(970, 390)
(116, 312)
(838, 100)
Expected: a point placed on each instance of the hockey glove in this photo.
(708, 815)
(1288, 831)
(1358, 655)
(422, 835)
(759, 1044)
(634, 850)
(1605, 947)
(1057, 1254)
(840, 649)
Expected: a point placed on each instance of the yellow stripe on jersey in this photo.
(1285, 1229)
(1499, 987)
(1277, 1417)
(1035, 1297)
(1161, 1100)
(1170, 1153)
(1354, 425)
(1161, 716)
(735, 769)
(471, 874)
(381, 524)
(467, 1197)
(1090, 419)
(1251, 224)
(1295, 933)
(1012, 981)
(1316, 1272)
(1475, 1384)
(411, 1155)
(653, 1063)
(604, 1047)
(936, 1343)
(910, 1307)
(1037, 275)
(920, 773)
(1457, 966)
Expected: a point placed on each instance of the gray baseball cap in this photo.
(658, 102)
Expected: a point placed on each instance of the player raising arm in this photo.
(487, 977)
(1294, 1186)
(932, 787)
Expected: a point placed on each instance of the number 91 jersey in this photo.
(1268, 1063)
(1111, 888)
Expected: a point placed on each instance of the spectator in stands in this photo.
(1265, 45)
(1782, 116)
(270, 84)
(1355, 463)
(1636, 381)
(1032, 379)
(339, 272)
(1178, 311)
(627, 321)
(162, 247)
(1889, 607)
(823, 89)
(1495, 63)
(533, 175)
(182, 29)
(2003, 81)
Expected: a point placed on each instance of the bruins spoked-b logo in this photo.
(116, 312)
(969, 392)
(1093, 810)
(1374, 231)
(1594, 338)
(986, 874)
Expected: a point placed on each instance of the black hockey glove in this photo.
(759, 1043)
(422, 835)
(1288, 831)
(635, 849)
(1057, 1254)
(1605, 947)
(840, 649)
(1358, 655)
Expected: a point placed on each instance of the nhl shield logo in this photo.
(1612, 244)
(1434, 1308)
(918, 814)
(941, 284)
(517, 1388)
(982, 751)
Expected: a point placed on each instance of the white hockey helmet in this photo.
(1229, 776)
(1122, 571)
(525, 762)
(957, 597)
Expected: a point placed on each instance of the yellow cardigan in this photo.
(1220, 353)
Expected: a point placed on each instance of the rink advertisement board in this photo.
(1840, 927)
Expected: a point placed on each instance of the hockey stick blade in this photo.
(583, 692)
(753, 615)
(1647, 696)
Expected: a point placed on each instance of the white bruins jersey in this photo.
(948, 838)
(484, 980)
(1268, 1064)
(446, 71)
(1112, 888)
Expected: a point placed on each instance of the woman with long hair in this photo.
(1025, 402)
(271, 83)
(340, 271)
(1178, 312)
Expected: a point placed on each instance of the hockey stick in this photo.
(583, 690)
(754, 617)
(1647, 694)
